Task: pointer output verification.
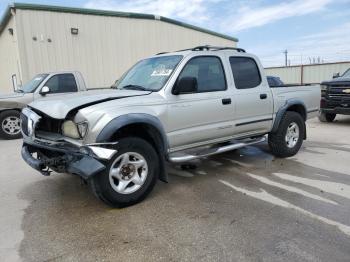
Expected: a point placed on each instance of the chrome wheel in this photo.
(128, 173)
(292, 135)
(11, 125)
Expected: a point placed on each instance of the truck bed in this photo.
(309, 93)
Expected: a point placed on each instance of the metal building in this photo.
(100, 44)
(308, 74)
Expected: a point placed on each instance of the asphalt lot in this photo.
(239, 206)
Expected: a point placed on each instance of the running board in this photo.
(180, 157)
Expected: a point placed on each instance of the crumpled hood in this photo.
(11, 95)
(58, 106)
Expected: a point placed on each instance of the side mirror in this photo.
(186, 85)
(336, 75)
(14, 82)
(115, 84)
(45, 90)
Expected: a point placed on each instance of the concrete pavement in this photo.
(239, 206)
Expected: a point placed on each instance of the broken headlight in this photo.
(73, 130)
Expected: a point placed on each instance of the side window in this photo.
(208, 71)
(270, 81)
(245, 72)
(63, 83)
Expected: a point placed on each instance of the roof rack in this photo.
(162, 53)
(216, 48)
(209, 48)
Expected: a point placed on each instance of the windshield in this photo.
(150, 74)
(347, 73)
(32, 85)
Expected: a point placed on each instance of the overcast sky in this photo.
(308, 29)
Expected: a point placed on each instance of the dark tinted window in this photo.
(63, 83)
(208, 71)
(279, 82)
(245, 72)
(274, 81)
(271, 81)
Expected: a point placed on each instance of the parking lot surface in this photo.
(243, 205)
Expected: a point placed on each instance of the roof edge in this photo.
(25, 6)
(5, 18)
(306, 65)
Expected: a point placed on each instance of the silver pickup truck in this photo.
(41, 86)
(172, 107)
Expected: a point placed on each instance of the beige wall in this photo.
(105, 46)
(8, 58)
(311, 73)
(291, 75)
(319, 73)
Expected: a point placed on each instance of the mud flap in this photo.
(86, 167)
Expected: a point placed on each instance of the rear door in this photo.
(253, 97)
(205, 115)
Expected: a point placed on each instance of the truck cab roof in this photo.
(205, 49)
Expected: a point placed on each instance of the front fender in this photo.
(139, 118)
(134, 118)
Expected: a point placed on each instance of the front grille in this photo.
(48, 124)
(338, 101)
(24, 124)
(339, 91)
(29, 120)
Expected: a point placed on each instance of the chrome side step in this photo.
(180, 157)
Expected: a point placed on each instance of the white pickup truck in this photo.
(172, 107)
(41, 86)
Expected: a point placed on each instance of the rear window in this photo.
(245, 72)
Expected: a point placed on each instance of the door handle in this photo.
(226, 101)
(263, 96)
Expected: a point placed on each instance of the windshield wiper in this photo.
(135, 87)
(19, 91)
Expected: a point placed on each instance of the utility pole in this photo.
(285, 52)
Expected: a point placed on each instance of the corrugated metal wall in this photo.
(105, 46)
(290, 75)
(308, 74)
(8, 55)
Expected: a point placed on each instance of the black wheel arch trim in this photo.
(279, 115)
(138, 118)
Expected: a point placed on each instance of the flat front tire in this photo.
(130, 175)
(10, 124)
(287, 140)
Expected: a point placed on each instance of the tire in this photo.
(10, 125)
(106, 186)
(278, 141)
(326, 117)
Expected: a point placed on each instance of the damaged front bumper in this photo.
(46, 151)
(62, 157)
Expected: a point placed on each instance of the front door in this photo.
(61, 83)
